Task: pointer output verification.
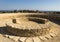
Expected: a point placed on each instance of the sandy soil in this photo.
(7, 39)
(4, 39)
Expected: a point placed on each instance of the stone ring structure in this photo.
(31, 29)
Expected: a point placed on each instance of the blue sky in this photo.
(50, 5)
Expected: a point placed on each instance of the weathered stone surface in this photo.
(28, 28)
(52, 32)
(4, 39)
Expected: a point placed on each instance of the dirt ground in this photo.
(7, 39)
(57, 38)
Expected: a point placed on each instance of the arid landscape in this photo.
(29, 20)
(27, 27)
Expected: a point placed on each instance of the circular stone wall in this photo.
(29, 27)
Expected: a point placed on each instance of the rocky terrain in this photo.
(5, 36)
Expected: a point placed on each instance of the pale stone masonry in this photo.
(27, 27)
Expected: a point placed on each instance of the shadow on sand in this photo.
(3, 31)
(55, 21)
